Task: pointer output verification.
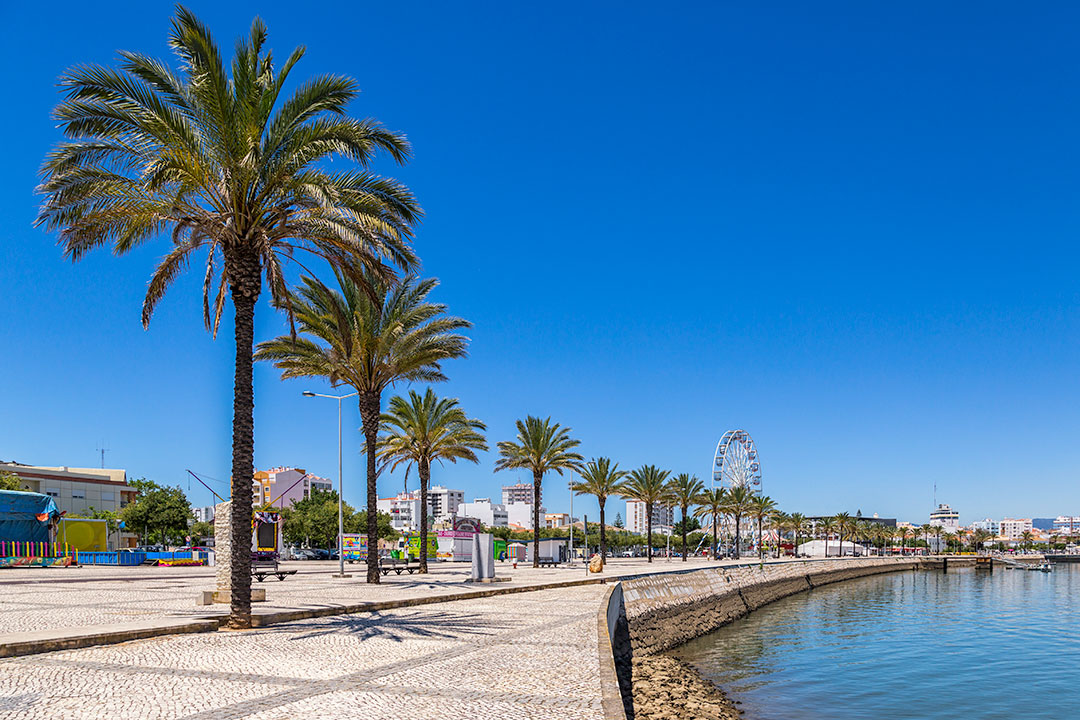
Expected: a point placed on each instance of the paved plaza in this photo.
(528, 655)
(33, 599)
(525, 655)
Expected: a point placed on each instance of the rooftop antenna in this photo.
(935, 494)
(103, 450)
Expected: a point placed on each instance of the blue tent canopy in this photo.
(21, 516)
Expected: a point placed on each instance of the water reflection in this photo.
(922, 645)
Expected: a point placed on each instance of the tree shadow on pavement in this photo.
(398, 626)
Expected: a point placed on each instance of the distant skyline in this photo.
(849, 229)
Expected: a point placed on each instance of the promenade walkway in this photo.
(37, 599)
(528, 655)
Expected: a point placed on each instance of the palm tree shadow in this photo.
(400, 626)
(20, 703)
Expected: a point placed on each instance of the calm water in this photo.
(920, 645)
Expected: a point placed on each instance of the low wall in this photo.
(646, 615)
(667, 610)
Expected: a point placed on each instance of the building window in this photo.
(78, 494)
(108, 496)
(51, 492)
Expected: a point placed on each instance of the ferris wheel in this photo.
(735, 463)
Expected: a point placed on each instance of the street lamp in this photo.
(340, 521)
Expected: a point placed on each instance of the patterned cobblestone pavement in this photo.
(50, 598)
(529, 655)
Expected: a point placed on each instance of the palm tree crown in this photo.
(541, 447)
(684, 490)
(368, 339)
(648, 485)
(761, 507)
(217, 157)
(711, 504)
(737, 505)
(602, 479)
(424, 429)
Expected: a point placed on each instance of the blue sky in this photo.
(849, 229)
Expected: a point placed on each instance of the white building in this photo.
(519, 493)
(404, 508)
(204, 514)
(1013, 528)
(663, 518)
(521, 514)
(443, 503)
(991, 526)
(946, 517)
(556, 520)
(1067, 524)
(487, 512)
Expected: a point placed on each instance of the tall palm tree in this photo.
(761, 507)
(1026, 538)
(215, 157)
(648, 485)
(602, 479)
(798, 522)
(828, 525)
(684, 489)
(368, 335)
(938, 529)
(979, 537)
(782, 522)
(926, 536)
(904, 532)
(843, 527)
(424, 429)
(540, 448)
(737, 505)
(711, 504)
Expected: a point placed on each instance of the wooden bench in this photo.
(261, 568)
(548, 562)
(388, 564)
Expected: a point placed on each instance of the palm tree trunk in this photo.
(760, 541)
(537, 479)
(738, 543)
(245, 285)
(648, 526)
(424, 471)
(684, 533)
(370, 405)
(603, 539)
(714, 540)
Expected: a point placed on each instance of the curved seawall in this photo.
(654, 613)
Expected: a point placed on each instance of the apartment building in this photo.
(1013, 528)
(284, 486)
(487, 512)
(518, 493)
(663, 518)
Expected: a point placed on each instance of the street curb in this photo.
(99, 635)
(274, 618)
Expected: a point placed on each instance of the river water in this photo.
(925, 645)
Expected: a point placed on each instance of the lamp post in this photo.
(340, 520)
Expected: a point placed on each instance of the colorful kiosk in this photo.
(28, 530)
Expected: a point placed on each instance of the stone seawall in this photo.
(664, 611)
(644, 616)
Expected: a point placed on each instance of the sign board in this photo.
(354, 546)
